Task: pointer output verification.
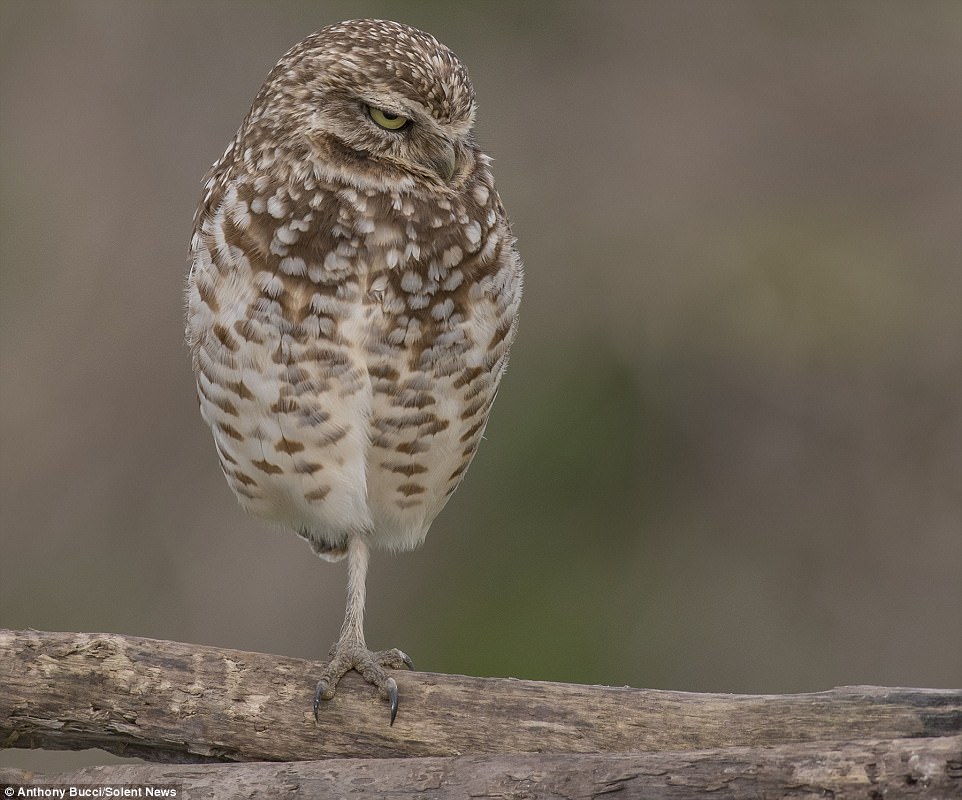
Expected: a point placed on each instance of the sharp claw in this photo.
(393, 696)
(371, 667)
(319, 692)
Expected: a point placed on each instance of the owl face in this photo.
(377, 96)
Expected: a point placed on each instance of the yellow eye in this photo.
(393, 122)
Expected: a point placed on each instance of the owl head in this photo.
(368, 100)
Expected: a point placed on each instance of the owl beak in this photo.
(445, 161)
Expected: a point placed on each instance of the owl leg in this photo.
(350, 650)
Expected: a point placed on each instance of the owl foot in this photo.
(351, 654)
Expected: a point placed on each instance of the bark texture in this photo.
(456, 736)
(892, 769)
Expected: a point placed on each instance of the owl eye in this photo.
(392, 122)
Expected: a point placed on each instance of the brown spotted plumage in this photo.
(352, 297)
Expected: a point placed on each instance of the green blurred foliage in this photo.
(527, 589)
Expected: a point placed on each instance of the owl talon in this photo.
(395, 659)
(324, 691)
(348, 654)
(393, 697)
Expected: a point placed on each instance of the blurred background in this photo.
(728, 453)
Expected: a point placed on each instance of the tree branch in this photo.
(893, 769)
(173, 702)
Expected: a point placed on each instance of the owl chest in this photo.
(386, 354)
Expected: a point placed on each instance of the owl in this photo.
(352, 296)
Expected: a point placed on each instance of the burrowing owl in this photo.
(352, 296)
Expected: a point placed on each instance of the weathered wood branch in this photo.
(893, 769)
(173, 702)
